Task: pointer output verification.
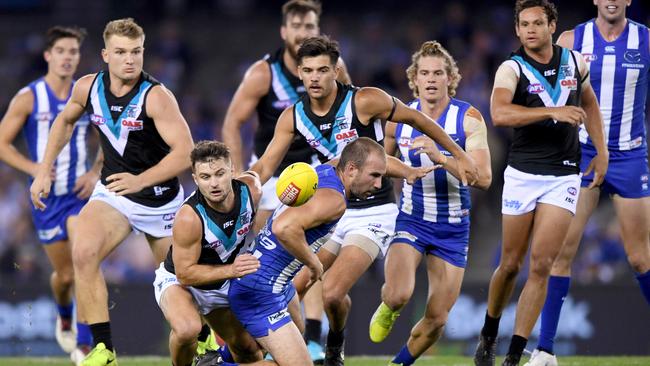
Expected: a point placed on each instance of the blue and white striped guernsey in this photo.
(72, 161)
(438, 197)
(619, 76)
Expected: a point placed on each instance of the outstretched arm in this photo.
(289, 227)
(277, 148)
(186, 234)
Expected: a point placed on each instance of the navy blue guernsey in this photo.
(284, 91)
(277, 265)
(223, 234)
(546, 147)
(331, 133)
(129, 138)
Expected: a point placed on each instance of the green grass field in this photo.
(353, 361)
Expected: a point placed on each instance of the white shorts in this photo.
(155, 221)
(270, 200)
(376, 223)
(206, 300)
(522, 191)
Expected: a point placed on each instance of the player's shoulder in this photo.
(24, 98)
(258, 71)
(566, 39)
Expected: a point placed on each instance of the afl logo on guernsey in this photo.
(404, 141)
(535, 88)
(282, 104)
(589, 57)
(97, 120)
(44, 116)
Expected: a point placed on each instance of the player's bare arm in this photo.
(374, 103)
(343, 77)
(595, 128)
(254, 86)
(289, 227)
(252, 180)
(390, 144)
(85, 184)
(566, 39)
(187, 249)
(60, 134)
(475, 144)
(172, 127)
(507, 114)
(277, 148)
(13, 121)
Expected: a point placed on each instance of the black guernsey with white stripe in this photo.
(223, 235)
(128, 136)
(333, 131)
(271, 106)
(546, 147)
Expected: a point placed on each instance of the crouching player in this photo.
(208, 235)
(290, 239)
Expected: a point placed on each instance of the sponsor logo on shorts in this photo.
(274, 318)
(572, 191)
(158, 190)
(168, 226)
(48, 234)
(405, 235)
(512, 204)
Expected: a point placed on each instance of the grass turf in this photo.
(351, 361)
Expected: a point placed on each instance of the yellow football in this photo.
(296, 184)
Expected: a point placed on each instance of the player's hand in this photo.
(85, 184)
(315, 270)
(598, 165)
(40, 187)
(467, 169)
(425, 145)
(124, 183)
(244, 264)
(569, 114)
(420, 172)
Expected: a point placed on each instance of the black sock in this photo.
(102, 334)
(491, 326)
(204, 333)
(313, 329)
(335, 339)
(517, 345)
(545, 350)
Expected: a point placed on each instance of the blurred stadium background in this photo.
(200, 50)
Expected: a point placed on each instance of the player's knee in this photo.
(334, 298)
(396, 298)
(540, 267)
(85, 256)
(186, 331)
(435, 322)
(65, 277)
(510, 269)
(246, 350)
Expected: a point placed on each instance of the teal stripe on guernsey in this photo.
(115, 126)
(328, 144)
(553, 92)
(228, 243)
(285, 83)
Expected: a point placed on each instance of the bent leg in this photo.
(178, 307)
(242, 345)
(401, 263)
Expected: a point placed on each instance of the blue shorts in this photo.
(259, 311)
(448, 242)
(51, 223)
(627, 175)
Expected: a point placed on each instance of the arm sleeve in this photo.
(507, 76)
(475, 130)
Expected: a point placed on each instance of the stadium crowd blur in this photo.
(200, 49)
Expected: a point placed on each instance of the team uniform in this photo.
(375, 216)
(69, 165)
(260, 299)
(131, 144)
(284, 91)
(434, 211)
(619, 74)
(544, 159)
(223, 238)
